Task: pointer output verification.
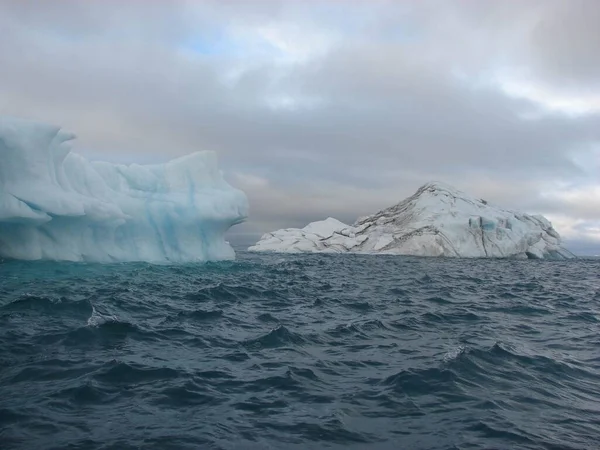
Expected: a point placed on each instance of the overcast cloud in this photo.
(328, 108)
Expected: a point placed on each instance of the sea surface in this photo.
(301, 352)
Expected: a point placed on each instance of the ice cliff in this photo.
(437, 220)
(55, 204)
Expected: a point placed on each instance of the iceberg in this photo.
(438, 220)
(57, 205)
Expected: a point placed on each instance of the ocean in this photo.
(301, 352)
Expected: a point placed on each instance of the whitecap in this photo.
(97, 318)
(454, 353)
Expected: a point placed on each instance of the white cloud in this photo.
(249, 181)
(576, 229)
(552, 99)
(297, 43)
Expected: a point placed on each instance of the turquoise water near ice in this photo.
(301, 351)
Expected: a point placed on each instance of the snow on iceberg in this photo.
(55, 204)
(437, 220)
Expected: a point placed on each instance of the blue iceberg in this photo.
(56, 205)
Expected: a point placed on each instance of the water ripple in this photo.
(301, 351)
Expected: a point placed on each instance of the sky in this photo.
(327, 108)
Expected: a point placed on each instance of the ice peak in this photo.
(438, 187)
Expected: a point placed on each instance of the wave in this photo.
(277, 337)
(187, 394)
(97, 319)
(31, 303)
(196, 315)
(300, 352)
(123, 373)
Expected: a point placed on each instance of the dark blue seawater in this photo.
(302, 352)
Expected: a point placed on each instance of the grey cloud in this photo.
(581, 247)
(565, 44)
(397, 101)
(556, 41)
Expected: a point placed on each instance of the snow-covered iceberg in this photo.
(437, 220)
(55, 204)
